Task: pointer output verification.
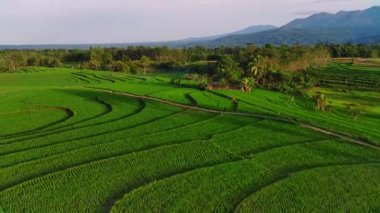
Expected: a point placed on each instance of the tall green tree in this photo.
(258, 67)
(227, 70)
(145, 62)
(119, 66)
(247, 83)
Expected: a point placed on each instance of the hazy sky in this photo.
(109, 21)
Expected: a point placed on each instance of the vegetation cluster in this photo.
(279, 68)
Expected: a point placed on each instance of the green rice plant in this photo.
(92, 187)
(222, 187)
(150, 120)
(72, 147)
(353, 188)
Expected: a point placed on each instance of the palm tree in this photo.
(247, 83)
(145, 62)
(193, 76)
(320, 101)
(258, 67)
(203, 82)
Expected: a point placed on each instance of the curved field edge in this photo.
(199, 185)
(267, 103)
(353, 188)
(92, 153)
(139, 119)
(106, 174)
(95, 122)
(57, 177)
(38, 125)
(107, 109)
(98, 107)
(341, 135)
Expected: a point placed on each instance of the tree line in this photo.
(273, 67)
(132, 58)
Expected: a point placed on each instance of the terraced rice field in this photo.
(72, 141)
(348, 76)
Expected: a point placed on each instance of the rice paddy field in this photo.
(93, 141)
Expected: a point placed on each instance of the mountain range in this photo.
(361, 26)
(249, 30)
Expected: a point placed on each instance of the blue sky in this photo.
(111, 21)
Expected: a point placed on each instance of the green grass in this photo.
(66, 146)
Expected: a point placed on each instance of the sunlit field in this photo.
(93, 141)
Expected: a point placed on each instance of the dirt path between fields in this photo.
(342, 136)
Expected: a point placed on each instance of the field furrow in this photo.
(76, 140)
(233, 181)
(116, 113)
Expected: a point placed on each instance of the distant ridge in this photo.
(180, 43)
(342, 27)
(248, 30)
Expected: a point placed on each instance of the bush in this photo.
(119, 66)
(176, 81)
(91, 65)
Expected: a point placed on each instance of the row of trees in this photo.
(352, 50)
(13, 60)
(133, 59)
(272, 67)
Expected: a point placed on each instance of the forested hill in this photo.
(342, 27)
